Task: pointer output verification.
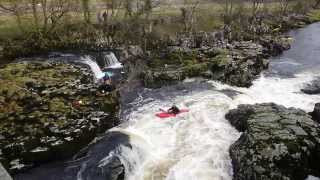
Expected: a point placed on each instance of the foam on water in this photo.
(195, 145)
(286, 92)
(112, 61)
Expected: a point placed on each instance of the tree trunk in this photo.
(86, 11)
(45, 15)
(35, 14)
(317, 4)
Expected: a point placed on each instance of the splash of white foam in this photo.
(191, 146)
(195, 145)
(94, 67)
(286, 92)
(112, 61)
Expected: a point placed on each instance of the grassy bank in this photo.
(150, 28)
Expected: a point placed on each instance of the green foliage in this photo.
(195, 70)
(175, 58)
(58, 105)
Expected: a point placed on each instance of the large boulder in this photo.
(313, 87)
(277, 143)
(273, 46)
(240, 64)
(157, 79)
(316, 113)
(48, 111)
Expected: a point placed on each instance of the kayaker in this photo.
(174, 110)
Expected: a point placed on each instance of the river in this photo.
(193, 145)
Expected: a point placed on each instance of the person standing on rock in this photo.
(106, 85)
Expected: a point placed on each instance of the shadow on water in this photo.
(87, 163)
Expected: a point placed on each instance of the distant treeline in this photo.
(47, 24)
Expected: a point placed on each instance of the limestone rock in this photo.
(277, 143)
(47, 112)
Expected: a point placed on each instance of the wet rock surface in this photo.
(316, 113)
(313, 87)
(277, 143)
(48, 111)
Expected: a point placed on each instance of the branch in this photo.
(7, 8)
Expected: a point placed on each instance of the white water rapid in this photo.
(194, 145)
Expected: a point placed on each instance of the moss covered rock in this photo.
(277, 143)
(238, 65)
(48, 111)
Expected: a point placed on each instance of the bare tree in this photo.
(86, 10)
(188, 14)
(316, 4)
(50, 12)
(34, 4)
(284, 4)
(256, 7)
(15, 8)
(228, 11)
(111, 11)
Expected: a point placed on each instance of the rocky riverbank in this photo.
(218, 56)
(236, 64)
(48, 111)
(277, 143)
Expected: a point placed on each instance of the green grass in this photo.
(8, 27)
(208, 18)
(314, 15)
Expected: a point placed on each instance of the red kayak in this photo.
(165, 114)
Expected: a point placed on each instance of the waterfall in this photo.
(111, 61)
(94, 67)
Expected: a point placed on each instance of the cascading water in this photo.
(94, 67)
(191, 146)
(111, 61)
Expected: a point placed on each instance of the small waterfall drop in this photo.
(98, 73)
(111, 61)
